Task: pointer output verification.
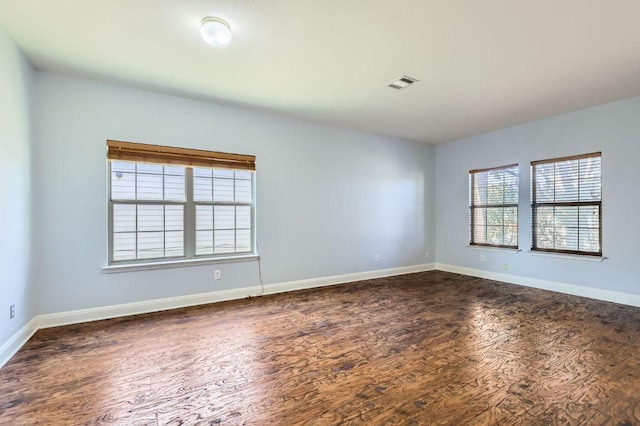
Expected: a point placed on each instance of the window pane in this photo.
(204, 242)
(204, 217)
(243, 191)
(589, 217)
(511, 186)
(124, 246)
(589, 239)
(224, 217)
(495, 189)
(566, 238)
(174, 244)
(480, 189)
(149, 168)
(566, 181)
(150, 245)
(511, 216)
(241, 174)
(590, 189)
(222, 189)
(243, 217)
(243, 240)
(173, 218)
(495, 235)
(150, 218)
(123, 166)
(224, 241)
(174, 189)
(124, 218)
(480, 234)
(123, 181)
(149, 186)
(174, 171)
(544, 183)
(494, 216)
(545, 227)
(511, 235)
(223, 173)
(202, 172)
(202, 188)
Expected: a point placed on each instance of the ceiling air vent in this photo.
(402, 82)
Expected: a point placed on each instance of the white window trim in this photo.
(167, 263)
(584, 257)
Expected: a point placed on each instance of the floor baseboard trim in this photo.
(9, 348)
(115, 311)
(15, 342)
(345, 278)
(573, 289)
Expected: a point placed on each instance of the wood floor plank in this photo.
(419, 349)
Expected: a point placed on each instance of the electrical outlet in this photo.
(217, 275)
(505, 266)
(12, 311)
(377, 258)
(482, 258)
(427, 255)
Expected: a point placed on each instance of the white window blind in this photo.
(493, 207)
(566, 204)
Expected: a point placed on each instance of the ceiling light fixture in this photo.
(215, 31)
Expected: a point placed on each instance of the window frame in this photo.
(473, 207)
(535, 205)
(189, 221)
(136, 203)
(192, 215)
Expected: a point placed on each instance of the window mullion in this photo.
(189, 216)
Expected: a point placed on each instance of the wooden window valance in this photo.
(130, 151)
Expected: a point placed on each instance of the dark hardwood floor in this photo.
(427, 348)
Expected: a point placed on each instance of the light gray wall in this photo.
(613, 129)
(15, 192)
(328, 199)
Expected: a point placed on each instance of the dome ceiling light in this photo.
(215, 31)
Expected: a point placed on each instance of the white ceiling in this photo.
(481, 65)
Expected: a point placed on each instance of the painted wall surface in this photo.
(15, 192)
(328, 199)
(613, 129)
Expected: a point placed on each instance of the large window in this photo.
(170, 203)
(493, 207)
(566, 205)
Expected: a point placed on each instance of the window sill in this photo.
(130, 267)
(585, 258)
(488, 248)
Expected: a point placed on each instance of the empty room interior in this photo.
(319, 212)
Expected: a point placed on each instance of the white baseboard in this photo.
(576, 290)
(115, 311)
(15, 342)
(9, 348)
(345, 278)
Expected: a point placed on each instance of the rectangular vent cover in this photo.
(402, 82)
